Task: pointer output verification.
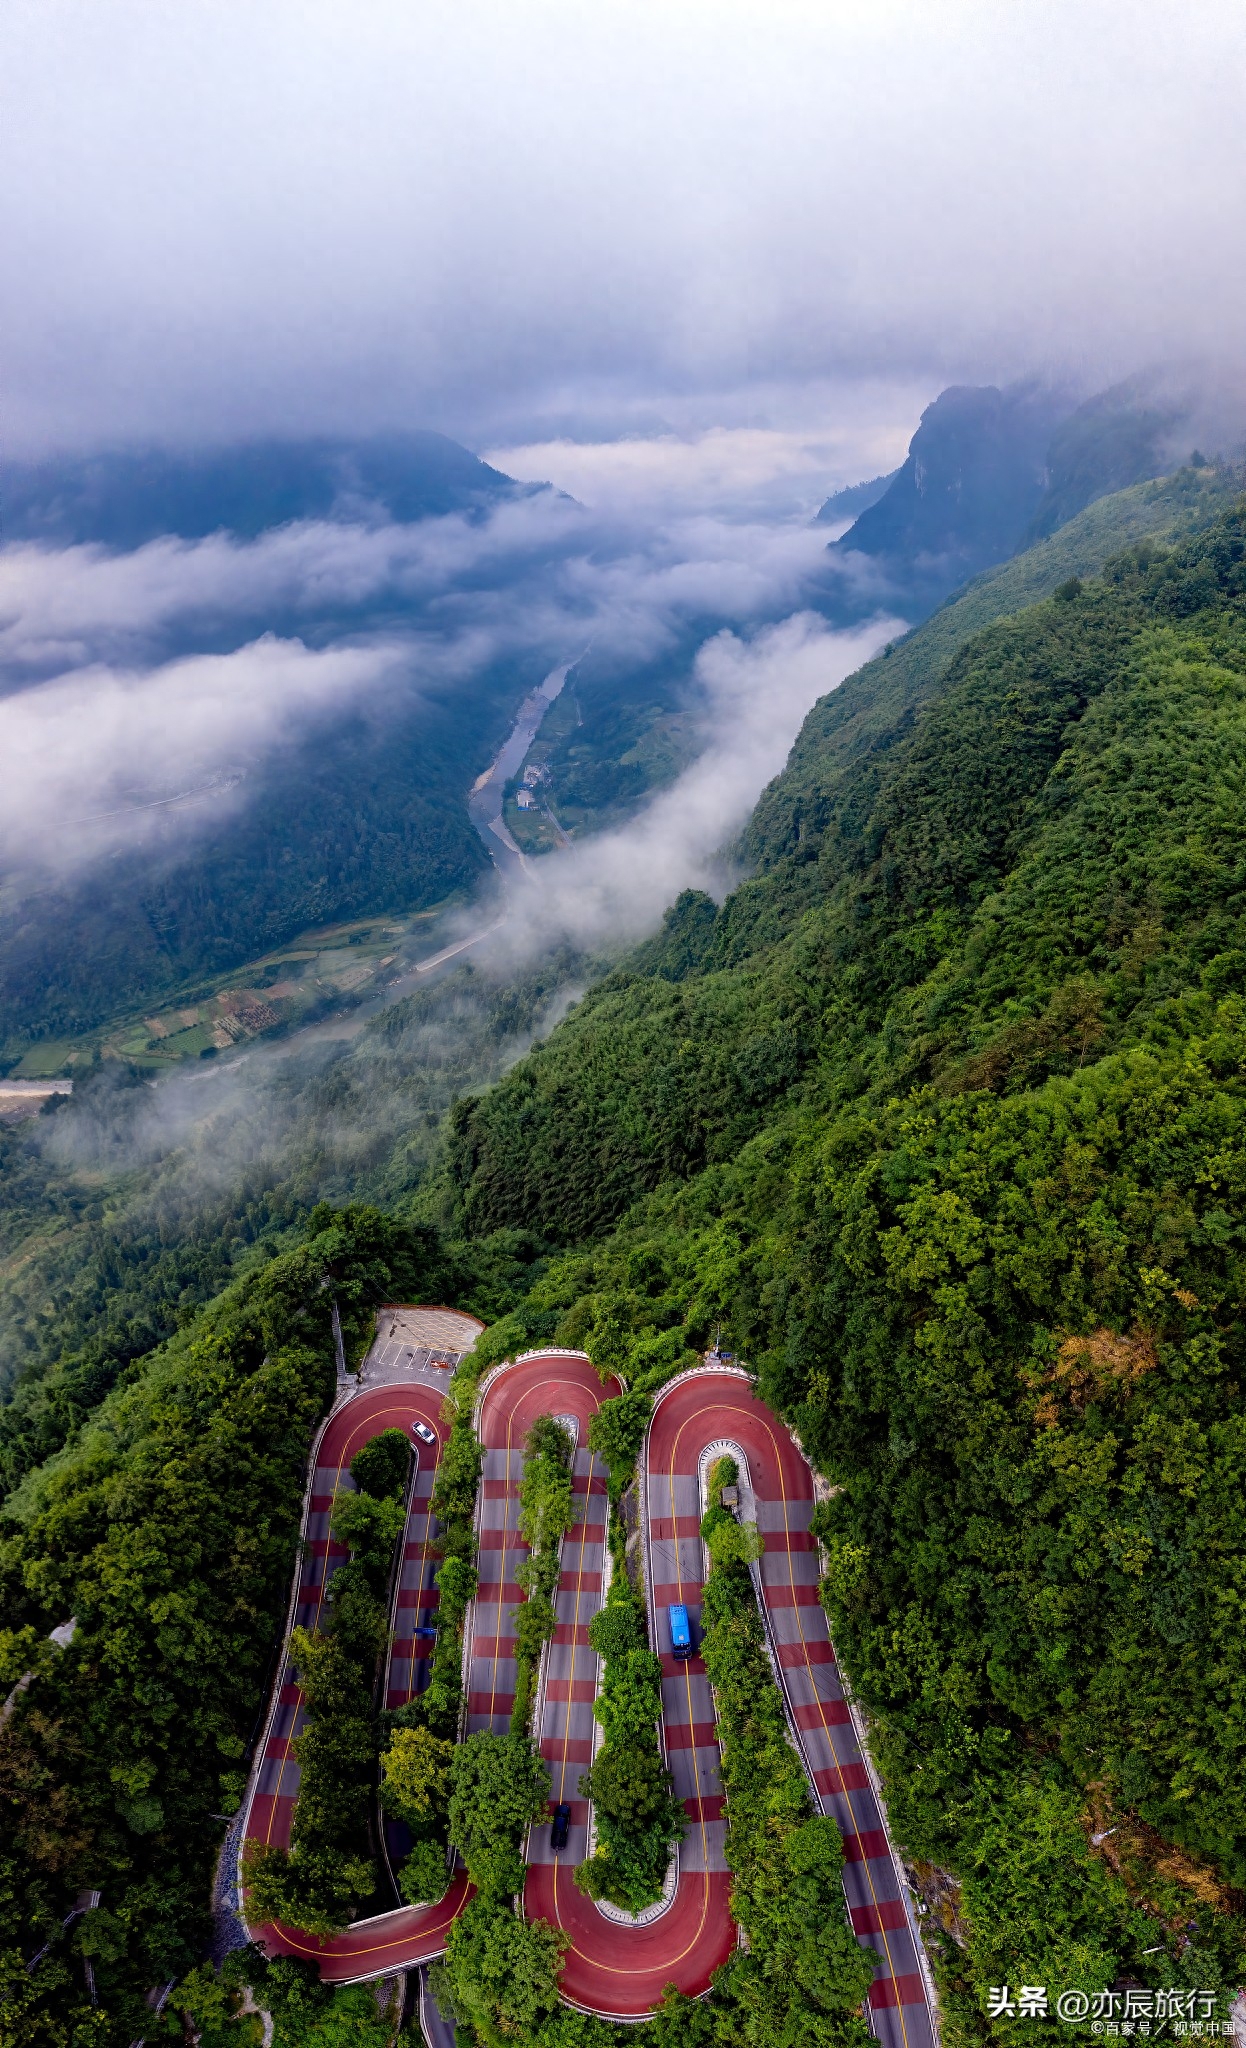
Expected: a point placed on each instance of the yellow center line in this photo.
(566, 1736)
(566, 1733)
(827, 1726)
(506, 1501)
(419, 1586)
(668, 1963)
(449, 1906)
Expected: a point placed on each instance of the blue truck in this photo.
(681, 1632)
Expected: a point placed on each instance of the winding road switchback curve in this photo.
(613, 1967)
(716, 1405)
(402, 1382)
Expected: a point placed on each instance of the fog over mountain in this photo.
(622, 710)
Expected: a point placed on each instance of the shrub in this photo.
(499, 1784)
(616, 1433)
(415, 1777)
(317, 1888)
(458, 1474)
(502, 1971)
(456, 1587)
(618, 1627)
(732, 1542)
(381, 1465)
(425, 1876)
(635, 1812)
(369, 1527)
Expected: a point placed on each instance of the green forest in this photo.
(939, 1120)
(375, 822)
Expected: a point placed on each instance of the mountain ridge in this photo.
(124, 498)
(937, 1124)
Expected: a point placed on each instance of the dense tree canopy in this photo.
(945, 1130)
(939, 1124)
(168, 1533)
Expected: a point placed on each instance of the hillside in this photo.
(374, 822)
(867, 712)
(956, 1160)
(100, 1254)
(124, 499)
(965, 493)
(938, 1123)
(183, 567)
(819, 835)
(990, 472)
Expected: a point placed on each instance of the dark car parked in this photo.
(560, 1827)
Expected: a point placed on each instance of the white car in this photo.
(424, 1433)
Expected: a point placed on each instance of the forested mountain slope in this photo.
(967, 490)
(939, 1122)
(374, 821)
(167, 1533)
(867, 714)
(125, 498)
(898, 812)
(957, 1159)
(990, 472)
(188, 565)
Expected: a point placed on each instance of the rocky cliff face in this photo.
(964, 498)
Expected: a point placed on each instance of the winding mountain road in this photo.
(402, 1382)
(695, 1416)
(614, 1966)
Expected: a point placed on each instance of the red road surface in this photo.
(413, 1934)
(691, 1415)
(612, 1968)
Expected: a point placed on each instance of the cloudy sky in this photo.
(533, 222)
(129, 680)
(697, 261)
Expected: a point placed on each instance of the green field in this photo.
(315, 973)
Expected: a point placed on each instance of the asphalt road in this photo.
(412, 1934)
(614, 1966)
(692, 1417)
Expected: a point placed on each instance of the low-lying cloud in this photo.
(327, 1112)
(772, 471)
(612, 889)
(89, 758)
(137, 683)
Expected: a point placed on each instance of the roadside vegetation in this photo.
(416, 1763)
(501, 1971)
(328, 1874)
(804, 1975)
(168, 1531)
(217, 2008)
